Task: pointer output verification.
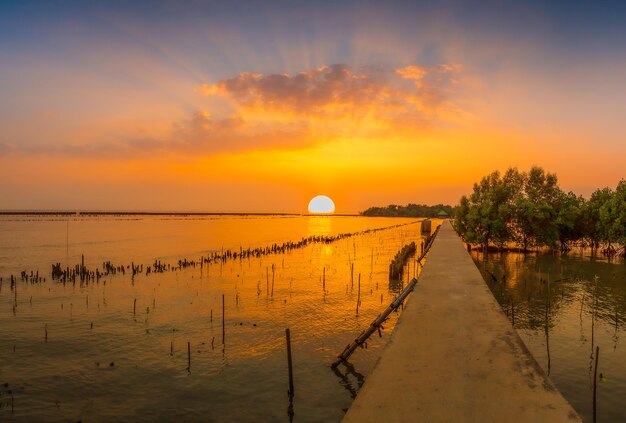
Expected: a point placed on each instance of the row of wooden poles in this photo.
(80, 273)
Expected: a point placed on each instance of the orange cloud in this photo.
(254, 111)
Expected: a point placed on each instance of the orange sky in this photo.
(260, 115)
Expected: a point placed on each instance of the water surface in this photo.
(117, 349)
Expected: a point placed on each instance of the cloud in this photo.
(254, 111)
(435, 86)
(315, 91)
(338, 91)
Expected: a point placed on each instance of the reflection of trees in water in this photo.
(528, 283)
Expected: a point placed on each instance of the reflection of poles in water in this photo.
(615, 337)
(345, 380)
(593, 323)
(595, 383)
(547, 325)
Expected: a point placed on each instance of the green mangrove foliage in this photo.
(396, 268)
(529, 210)
(411, 210)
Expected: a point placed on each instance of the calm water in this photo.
(585, 300)
(116, 350)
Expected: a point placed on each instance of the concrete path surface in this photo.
(454, 356)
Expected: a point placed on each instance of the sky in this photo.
(259, 106)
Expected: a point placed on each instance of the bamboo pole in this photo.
(375, 325)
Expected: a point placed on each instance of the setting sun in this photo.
(321, 204)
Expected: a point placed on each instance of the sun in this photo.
(321, 204)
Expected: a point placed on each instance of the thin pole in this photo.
(223, 322)
(289, 362)
(351, 276)
(272, 295)
(358, 298)
(188, 356)
(595, 381)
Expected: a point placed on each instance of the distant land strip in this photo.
(411, 210)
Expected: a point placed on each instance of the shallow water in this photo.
(563, 307)
(116, 349)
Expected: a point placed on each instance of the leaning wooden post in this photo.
(289, 362)
(375, 325)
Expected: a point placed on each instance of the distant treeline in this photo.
(411, 210)
(529, 210)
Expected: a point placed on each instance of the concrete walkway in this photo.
(454, 356)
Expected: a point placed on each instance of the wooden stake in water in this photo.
(358, 298)
(134, 307)
(351, 276)
(595, 382)
(272, 294)
(45, 328)
(189, 356)
(289, 363)
(223, 322)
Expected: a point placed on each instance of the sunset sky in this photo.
(259, 106)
